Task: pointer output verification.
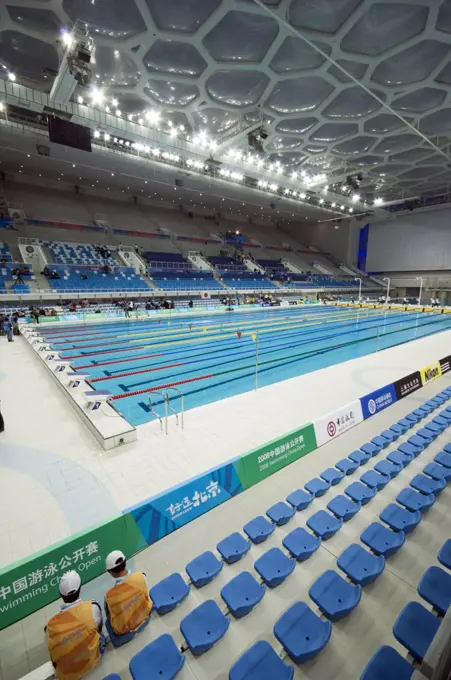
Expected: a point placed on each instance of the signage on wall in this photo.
(405, 386)
(445, 364)
(336, 423)
(430, 373)
(378, 400)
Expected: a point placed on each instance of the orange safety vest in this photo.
(129, 604)
(73, 641)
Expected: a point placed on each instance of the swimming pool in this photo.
(210, 357)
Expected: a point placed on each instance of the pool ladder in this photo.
(168, 409)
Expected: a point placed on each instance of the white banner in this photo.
(336, 423)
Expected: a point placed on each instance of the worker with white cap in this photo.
(74, 635)
(127, 604)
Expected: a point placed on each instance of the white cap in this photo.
(70, 583)
(114, 559)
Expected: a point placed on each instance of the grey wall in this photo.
(325, 237)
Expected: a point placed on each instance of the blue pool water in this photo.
(210, 357)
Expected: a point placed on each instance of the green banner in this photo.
(31, 584)
(264, 461)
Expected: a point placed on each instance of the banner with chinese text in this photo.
(336, 423)
(378, 400)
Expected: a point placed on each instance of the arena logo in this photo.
(372, 408)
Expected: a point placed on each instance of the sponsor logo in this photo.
(407, 385)
(331, 429)
(372, 406)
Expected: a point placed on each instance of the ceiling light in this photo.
(342, 207)
(378, 201)
(355, 198)
(67, 38)
(332, 205)
(273, 187)
(97, 95)
(112, 174)
(107, 109)
(121, 141)
(351, 209)
(118, 112)
(12, 77)
(96, 134)
(115, 140)
(153, 116)
(130, 116)
(173, 132)
(294, 175)
(73, 165)
(114, 102)
(321, 201)
(127, 143)
(302, 196)
(80, 100)
(107, 137)
(140, 121)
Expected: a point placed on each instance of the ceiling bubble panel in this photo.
(388, 169)
(296, 125)
(412, 65)
(365, 161)
(237, 88)
(444, 17)
(292, 160)
(355, 69)
(113, 18)
(215, 121)
(384, 26)
(282, 143)
(332, 132)
(15, 51)
(420, 101)
(445, 75)
(171, 93)
(396, 143)
(296, 55)
(240, 36)
(354, 146)
(412, 155)
(437, 123)
(172, 56)
(112, 67)
(34, 18)
(185, 16)
(324, 16)
(353, 102)
(383, 122)
(299, 95)
(421, 173)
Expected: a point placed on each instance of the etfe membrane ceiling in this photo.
(211, 65)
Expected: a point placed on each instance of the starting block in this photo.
(60, 365)
(95, 398)
(75, 379)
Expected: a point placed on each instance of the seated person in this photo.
(74, 635)
(127, 604)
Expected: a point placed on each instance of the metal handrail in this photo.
(182, 405)
(152, 410)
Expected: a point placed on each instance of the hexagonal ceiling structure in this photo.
(342, 85)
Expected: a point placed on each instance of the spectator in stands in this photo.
(127, 604)
(74, 635)
(190, 304)
(107, 269)
(84, 277)
(18, 274)
(34, 314)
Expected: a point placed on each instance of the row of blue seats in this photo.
(206, 624)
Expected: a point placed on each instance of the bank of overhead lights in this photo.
(378, 201)
(96, 134)
(67, 38)
(302, 196)
(80, 100)
(355, 198)
(114, 102)
(11, 76)
(107, 137)
(97, 95)
(153, 116)
(332, 205)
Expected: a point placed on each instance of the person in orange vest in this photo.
(127, 604)
(74, 635)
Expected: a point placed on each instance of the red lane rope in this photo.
(118, 361)
(109, 351)
(144, 370)
(161, 387)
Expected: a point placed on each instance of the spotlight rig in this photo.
(256, 138)
(354, 181)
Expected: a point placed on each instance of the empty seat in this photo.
(159, 660)
(390, 436)
(412, 418)
(447, 447)
(371, 449)
(444, 555)
(258, 529)
(347, 466)
(435, 428)
(426, 408)
(343, 507)
(233, 547)
(334, 596)
(359, 457)
(399, 458)
(301, 543)
(444, 459)
(435, 588)
(361, 566)
(399, 428)
(242, 594)
(204, 626)
(203, 569)
(387, 664)
(407, 422)
(388, 468)
(413, 500)
(374, 479)
(261, 662)
(426, 434)
(415, 628)
(280, 513)
(300, 499)
(381, 540)
(324, 524)
(112, 676)
(169, 593)
(317, 487)
(417, 441)
(437, 471)
(400, 519)
(302, 633)
(427, 485)
(360, 492)
(443, 422)
(274, 567)
(380, 442)
(438, 400)
(409, 449)
(332, 475)
(421, 412)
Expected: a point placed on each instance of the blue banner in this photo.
(163, 514)
(378, 400)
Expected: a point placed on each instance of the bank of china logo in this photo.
(372, 406)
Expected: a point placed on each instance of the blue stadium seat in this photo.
(359, 457)
(444, 555)
(444, 459)
(300, 499)
(343, 507)
(334, 596)
(258, 529)
(415, 628)
(169, 593)
(438, 400)
(374, 479)
(400, 519)
(442, 420)
(159, 660)
(371, 449)
(427, 435)
(347, 466)
(332, 475)
(242, 594)
(412, 418)
(434, 429)
(274, 567)
(426, 408)
(388, 468)
(421, 412)
(381, 540)
(203, 627)
(360, 492)
(387, 664)
(417, 441)
(233, 548)
(437, 471)
(112, 676)
(427, 485)
(324, 524)
(203, 569)
(409, 449)
(447, 448)
(390, 436)
(261, 662)
(399, 428)
(317, 487)
(361, 566)
(280, 513)
(413, 500)
(380, 442)
(399, 458)
(301, 544)
(435, 588)
(407, 422)
(302, 633)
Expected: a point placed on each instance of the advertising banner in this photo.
(430, 373)
(445, 364)
(405, 386)
(264, 461)
(336, 423)
(378, 400)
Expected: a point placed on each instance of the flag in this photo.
(254, 337)
(239, 334)
(205, 329)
